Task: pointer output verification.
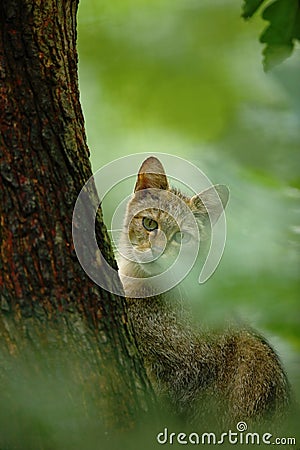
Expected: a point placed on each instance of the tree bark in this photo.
(58, 330)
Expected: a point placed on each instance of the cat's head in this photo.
(161, 220)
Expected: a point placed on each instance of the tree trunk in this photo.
(63, 339)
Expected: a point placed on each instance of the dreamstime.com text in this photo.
(240, 436)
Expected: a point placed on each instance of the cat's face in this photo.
(156, 234)
(161, 222)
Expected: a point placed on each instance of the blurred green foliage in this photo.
(184, 77)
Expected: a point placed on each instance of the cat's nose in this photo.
(157, 251)
(158, 243)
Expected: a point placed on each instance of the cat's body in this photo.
(227, 377)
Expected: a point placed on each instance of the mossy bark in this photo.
(55, 323)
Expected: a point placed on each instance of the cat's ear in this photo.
(210, 202)
(151, 175)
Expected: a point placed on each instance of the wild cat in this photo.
(230, 376)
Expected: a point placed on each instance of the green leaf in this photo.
(274, 54)
(283, 29)
(283, 16)
(250, 7)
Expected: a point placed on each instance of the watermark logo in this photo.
(241, 436)
(178, 171)
(241, 426)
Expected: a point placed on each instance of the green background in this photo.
(185, 77)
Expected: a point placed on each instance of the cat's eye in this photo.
(149, 224)
(182, 238)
